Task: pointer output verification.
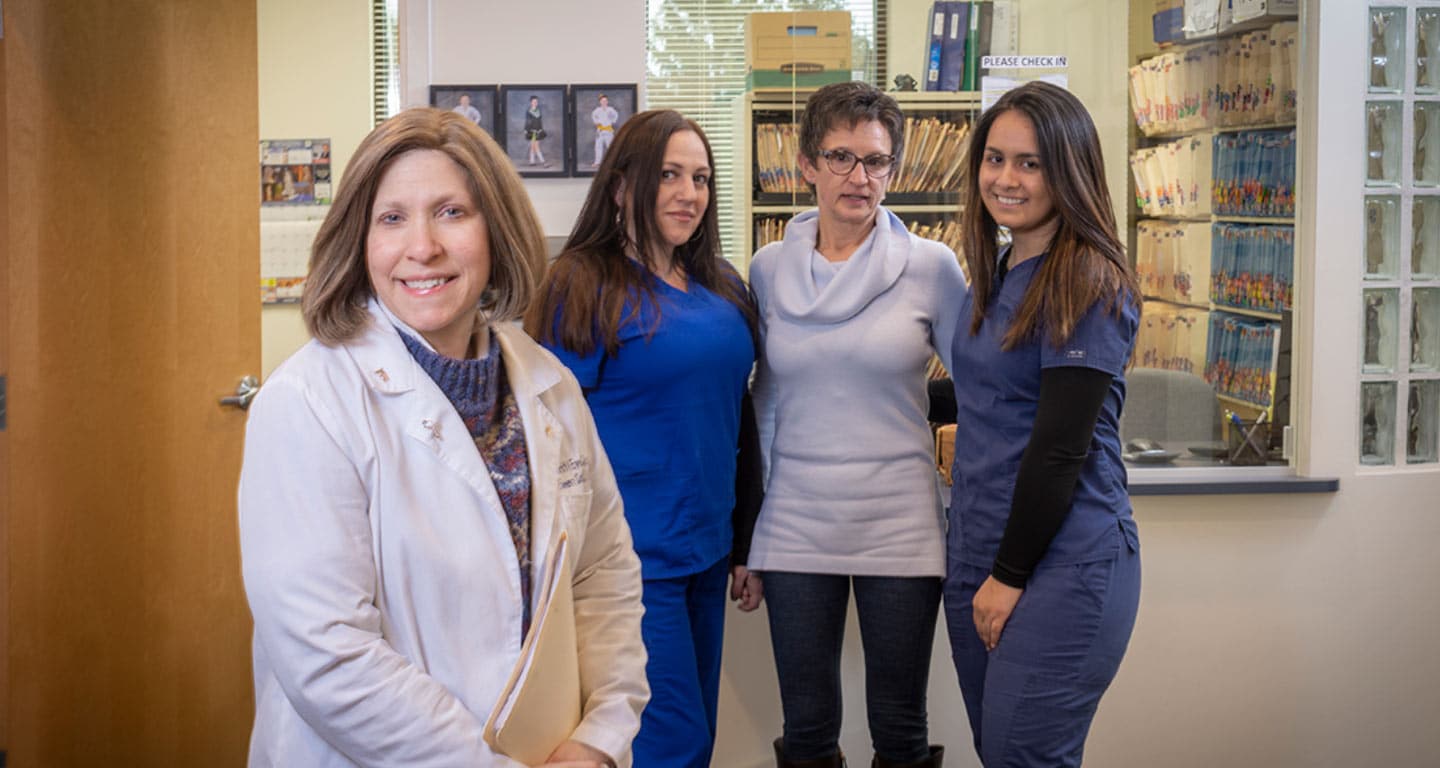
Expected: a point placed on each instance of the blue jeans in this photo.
(897, 632)
(683, 627)
(1032, 699)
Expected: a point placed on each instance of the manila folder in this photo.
(540, 705)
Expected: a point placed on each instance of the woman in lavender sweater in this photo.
(852, 307)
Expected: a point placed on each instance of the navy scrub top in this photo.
(667, 408)
(997, 393)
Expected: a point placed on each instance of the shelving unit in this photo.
(762, 209)
(1275, 316)
(1243, 405)
(1183, 304)
(1254, 127)
(1217, 96)
(1286, 220)
(1213, 307)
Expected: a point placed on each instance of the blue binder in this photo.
(952, 49)
(933, 44)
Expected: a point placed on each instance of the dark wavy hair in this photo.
(1086, 261)
(582, 300)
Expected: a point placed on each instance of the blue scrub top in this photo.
(667, 408)
(997, 393)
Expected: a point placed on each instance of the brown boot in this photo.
(836, 760)
(937, 754)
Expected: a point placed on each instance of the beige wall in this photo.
(905, 48)
(314, 83)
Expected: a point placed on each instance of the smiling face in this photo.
(1012, 180)
(427, 251)
(684, 189)
(851, 199)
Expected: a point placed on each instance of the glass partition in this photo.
(1400, 297)
(1214, 91)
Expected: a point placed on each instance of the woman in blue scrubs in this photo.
(659, 330)
(1043, 569)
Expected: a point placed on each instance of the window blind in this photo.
(695, 64)
(385, 55)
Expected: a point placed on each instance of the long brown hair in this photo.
(333, 302)
(581, 303)
(1086, 261)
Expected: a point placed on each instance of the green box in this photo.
(778, 80)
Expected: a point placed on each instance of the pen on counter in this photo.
(1248, 435)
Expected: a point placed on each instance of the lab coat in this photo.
(381, 572)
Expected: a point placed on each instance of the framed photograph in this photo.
(598, 111)
(477, 102)
(536, 133)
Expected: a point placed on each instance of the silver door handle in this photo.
(244, 393)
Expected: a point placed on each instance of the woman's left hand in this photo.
(746, 588)
(573, 754)
(992, 605)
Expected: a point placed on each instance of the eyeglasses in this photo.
(842, 161)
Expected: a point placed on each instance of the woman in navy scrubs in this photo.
(659, 330)
(1043, 569)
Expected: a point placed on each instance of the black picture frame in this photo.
(484, 100)
(554, 125)
(585, 141)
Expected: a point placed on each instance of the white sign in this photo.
(1024, 62)
(992, 87)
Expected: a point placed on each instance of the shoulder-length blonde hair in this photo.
(333, 303)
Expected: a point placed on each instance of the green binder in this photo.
(971, 79)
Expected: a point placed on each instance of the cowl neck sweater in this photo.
(868, 273)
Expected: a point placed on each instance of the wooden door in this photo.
(4, 435)
(130, 222)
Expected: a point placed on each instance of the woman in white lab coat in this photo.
(406, 476)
